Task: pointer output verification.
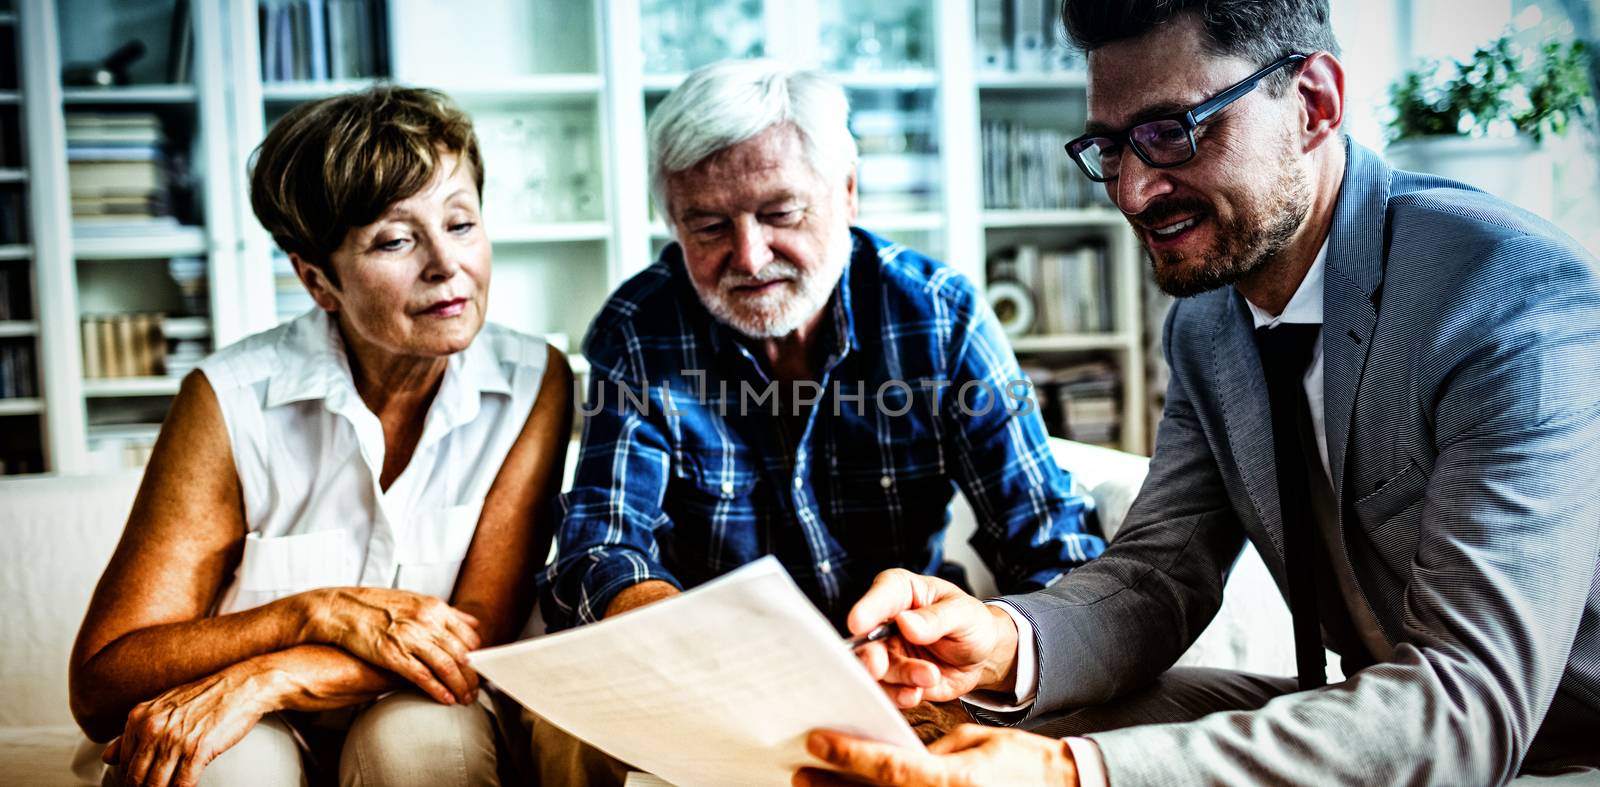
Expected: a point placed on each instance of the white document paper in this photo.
(717, 686)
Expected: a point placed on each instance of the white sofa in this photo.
(57, 533)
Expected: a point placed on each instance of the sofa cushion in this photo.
(38, 756)
(57, 534)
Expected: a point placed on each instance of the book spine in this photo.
(92, 369)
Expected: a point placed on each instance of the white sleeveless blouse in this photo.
(309, 453)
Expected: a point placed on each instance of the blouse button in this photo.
(886, 482)
(727, 487)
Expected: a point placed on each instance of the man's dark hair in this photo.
(1259, 31)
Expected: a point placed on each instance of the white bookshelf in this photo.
(123, 387)
(130, 96)
(568, 64)
(19, 406)
(16, 329)
(159, 244)
(1071, 217)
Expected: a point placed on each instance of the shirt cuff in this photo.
(1090, 763)
(1027, 688)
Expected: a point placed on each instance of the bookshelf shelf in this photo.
(15, 251)
(554, 232)
(902, 222)
(1075, 217)
(661, 83)
(1075, 342)
(296, 92)
(10, 97)
(129, 95)
(121, 387)
(180, 242)
(186, 328)
(124, 431)
(1047, 80)
(914, 79)
(528, 86)
(21, 406)
(11, 329)
(8, 18)
(13, 175)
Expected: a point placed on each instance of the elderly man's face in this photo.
(1213, 220)
(764, 236)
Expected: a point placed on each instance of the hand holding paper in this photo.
(718, 686)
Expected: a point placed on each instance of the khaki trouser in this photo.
(405, 738)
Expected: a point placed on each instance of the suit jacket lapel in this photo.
(1242, 392)
(1349, 297)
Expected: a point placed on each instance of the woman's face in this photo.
(416, 281)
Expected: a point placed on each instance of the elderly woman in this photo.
(338, 509)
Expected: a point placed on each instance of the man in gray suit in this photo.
(1387, 382)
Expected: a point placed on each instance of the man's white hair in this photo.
(723, 104)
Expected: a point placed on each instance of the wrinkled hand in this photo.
(949, 644)
(418, 637)
(169, 740)
(969, 755)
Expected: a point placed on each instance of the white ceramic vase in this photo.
(1515, 169)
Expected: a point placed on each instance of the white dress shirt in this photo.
(309, 454)
(1304, 307)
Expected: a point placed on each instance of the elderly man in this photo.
(782, 383)
(1385, 381)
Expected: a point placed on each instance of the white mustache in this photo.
(773, 271)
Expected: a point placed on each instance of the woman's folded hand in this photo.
(420, 638)
(170, 739)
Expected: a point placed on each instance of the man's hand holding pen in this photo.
(948, 643)
(943, 644)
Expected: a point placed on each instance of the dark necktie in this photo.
(1285, 354)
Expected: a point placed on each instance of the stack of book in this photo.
(1022, 36)
(899, 167)
(117, 170)
(1080, 402)
(1071, 288)
(319, 40)
(19, 371)
(1027, 168)
(123, 345)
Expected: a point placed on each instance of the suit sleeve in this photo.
(1116, 623)
(1504, 563)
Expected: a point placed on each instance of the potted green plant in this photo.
(1484, 124)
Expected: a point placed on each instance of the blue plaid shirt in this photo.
(687, 472)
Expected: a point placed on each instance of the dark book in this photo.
(180, 45)
(379, 10)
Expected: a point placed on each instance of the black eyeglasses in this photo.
(1166, 141)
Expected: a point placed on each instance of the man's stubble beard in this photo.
(1242, 246)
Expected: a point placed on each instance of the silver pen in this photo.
(884, 631)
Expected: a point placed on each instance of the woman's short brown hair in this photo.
(338, 163)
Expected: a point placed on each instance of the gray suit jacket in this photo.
(1461, 345)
